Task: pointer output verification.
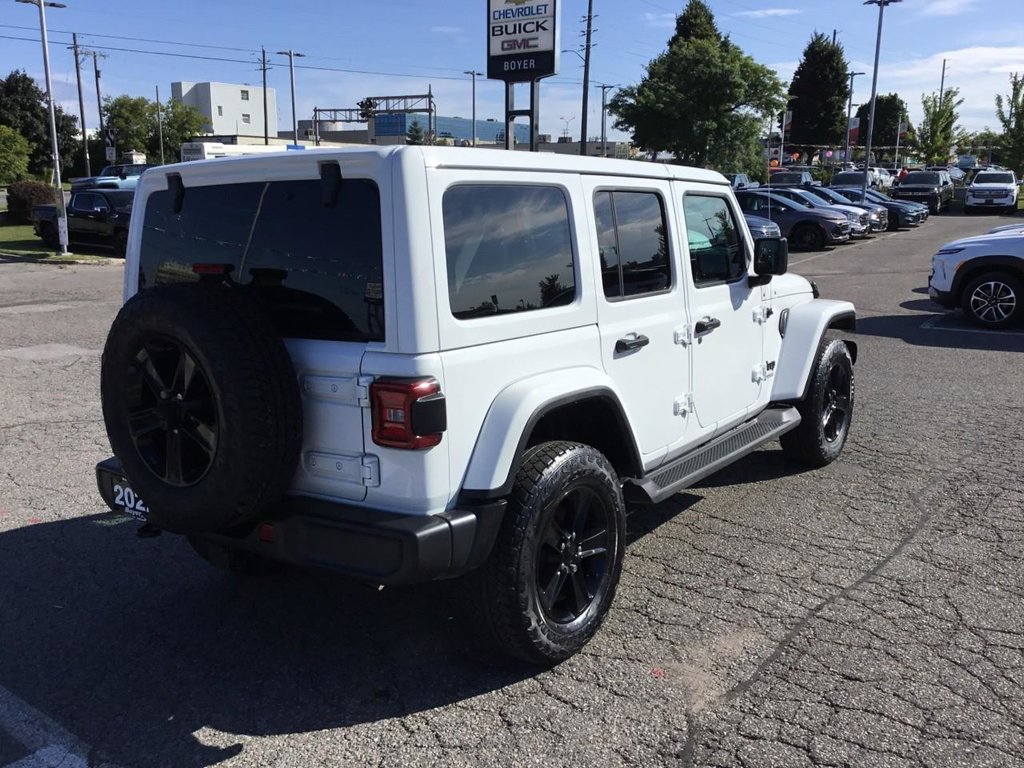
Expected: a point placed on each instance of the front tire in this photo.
(994, 300)
(809, 237)
(553, 571)
(827, 411)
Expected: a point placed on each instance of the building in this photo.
(230, 109)
(392, 128)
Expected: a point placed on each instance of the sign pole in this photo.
(523, 46)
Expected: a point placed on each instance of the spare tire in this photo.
(202, 405)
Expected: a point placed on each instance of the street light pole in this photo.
(604, 117)
(849, 114)
(474, 74)
(874, 85)
(291, 67)
(62, 216)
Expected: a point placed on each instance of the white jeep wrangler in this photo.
(415, 363)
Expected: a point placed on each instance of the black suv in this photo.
(933, 188)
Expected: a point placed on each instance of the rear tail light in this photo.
(407, 413)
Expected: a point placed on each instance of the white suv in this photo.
(992, 189)
(415, 363)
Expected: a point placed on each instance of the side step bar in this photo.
(719, 453)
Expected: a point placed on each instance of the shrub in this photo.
(22, 195)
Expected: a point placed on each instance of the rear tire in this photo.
(552, 574)
(827, 411)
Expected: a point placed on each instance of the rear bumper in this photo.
(369, 544)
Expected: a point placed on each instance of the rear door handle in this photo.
(706, 325)
(631, 343)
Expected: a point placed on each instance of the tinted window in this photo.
(716, 249)
(848, 177)
(317, 266)
(631, 236)
(993, 178)
(87, 201)
(120, 199)
(920, 177)
(508, 249)
(761, 204)
(787, 178)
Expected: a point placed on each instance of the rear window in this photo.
(508, 249)
(318, 267)
(848, 177)
(993, 178)
(787, 178)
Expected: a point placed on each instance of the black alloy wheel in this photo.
(172, 416)
(551, 575)
(572, 565)
(835, 409)
(826, 413)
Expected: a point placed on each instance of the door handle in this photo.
(631, 343)
(706, 325)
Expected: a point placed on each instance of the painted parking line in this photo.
(936, 324)
(49, 744)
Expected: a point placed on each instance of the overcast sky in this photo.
(398, 47)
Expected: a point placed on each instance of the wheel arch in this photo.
(804, 329)
(976, 267)
(580, 405)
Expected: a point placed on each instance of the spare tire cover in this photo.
(201, 405)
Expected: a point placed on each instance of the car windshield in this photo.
(813, 197)
(834, 196)
(921, 177)
(993, 178)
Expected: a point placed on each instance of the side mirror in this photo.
(771, 256)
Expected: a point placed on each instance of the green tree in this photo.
(938, 132)
(14, 155)
(890, 112)
(1010, 111)
(414, 135)
(986, 144)
(132, 119)
(702, 99)
(23, 107)
(820, 89)
(181, 122)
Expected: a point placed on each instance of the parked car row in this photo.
(814, 217)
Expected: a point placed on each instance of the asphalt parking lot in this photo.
(867, 614)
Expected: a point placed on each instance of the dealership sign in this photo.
(522, 40)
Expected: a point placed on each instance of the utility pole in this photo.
(99, 101)
(81, 101)
(586, 77)
(849, 112)
(942, 82)
(263, 66)
(160, 125)
(604, 117)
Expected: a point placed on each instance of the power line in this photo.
(250, 61)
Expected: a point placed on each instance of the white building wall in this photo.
(230, 108)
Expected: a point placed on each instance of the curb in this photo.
(12, 258)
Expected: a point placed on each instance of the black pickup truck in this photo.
(96, 217)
